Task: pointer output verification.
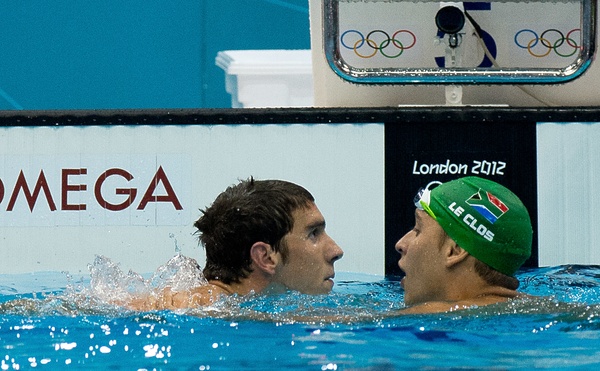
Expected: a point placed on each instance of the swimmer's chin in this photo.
(275, 289)
(324, 289)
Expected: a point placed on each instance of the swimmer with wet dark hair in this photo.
(470, 237)
(259, 236)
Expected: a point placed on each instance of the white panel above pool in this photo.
(56, 179)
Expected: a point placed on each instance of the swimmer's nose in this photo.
(338, 253)
(338, 256)
(401, 245)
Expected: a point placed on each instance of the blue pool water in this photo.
(62, 322)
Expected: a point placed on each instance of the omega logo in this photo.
(68, 185)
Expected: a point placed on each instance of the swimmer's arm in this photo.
(21, 306)
(169, 299)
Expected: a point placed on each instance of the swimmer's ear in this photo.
(455, 254)
(263, 257)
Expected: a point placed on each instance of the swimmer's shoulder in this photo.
(205, 295)
(171, 299)
(444, 306)
(434, 307)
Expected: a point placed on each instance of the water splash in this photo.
(110, 289)
(177, 248)
(111, 285)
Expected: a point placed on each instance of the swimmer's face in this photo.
(422, 260)
(310, 254)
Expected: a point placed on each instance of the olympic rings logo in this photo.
(378, 41)
(550, 40)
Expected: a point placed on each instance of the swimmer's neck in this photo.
(223, 288)
(481, 295)
(498, 292)
(246, 287)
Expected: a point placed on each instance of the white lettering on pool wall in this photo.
(476, 167)
(144, 192)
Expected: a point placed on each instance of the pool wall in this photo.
(69, 54)
(129, 184)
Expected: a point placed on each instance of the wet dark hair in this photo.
(495, 278)
(248, 212)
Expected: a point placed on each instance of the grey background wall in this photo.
(110, 54)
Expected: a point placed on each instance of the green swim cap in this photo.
(484, 218)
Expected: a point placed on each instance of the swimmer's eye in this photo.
(315, 232)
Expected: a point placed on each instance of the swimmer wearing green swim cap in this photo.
(470, 237)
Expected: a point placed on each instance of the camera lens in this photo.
(450, 19)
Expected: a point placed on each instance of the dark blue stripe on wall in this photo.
(477, 6)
